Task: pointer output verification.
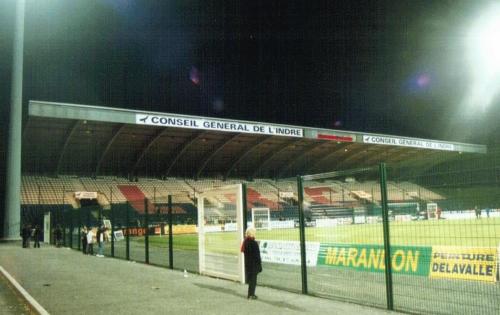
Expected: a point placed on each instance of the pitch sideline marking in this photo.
(24, 293)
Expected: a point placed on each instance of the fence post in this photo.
(245, 209)
(146, 231)
(87, 216)
(80, 228)
(170, 235)
(387, 243)
(64, 226)
(71, 228)
(127, 218)
(303, 266)
(112, 230)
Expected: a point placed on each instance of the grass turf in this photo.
(483, 232)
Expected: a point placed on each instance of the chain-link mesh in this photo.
(278, 199)
(442, 227)
(345, 230)
(450, 215)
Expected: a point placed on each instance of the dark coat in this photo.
(251, 250)
(58, 233)
(98, 235)
(37, 233)
(25, 232)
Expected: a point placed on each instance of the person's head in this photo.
(250, 232)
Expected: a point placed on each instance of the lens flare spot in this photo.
(423, 80)
(218, 105)
(194, 76)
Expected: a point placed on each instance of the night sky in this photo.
(395, 67)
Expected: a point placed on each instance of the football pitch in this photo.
(411, 293)
(483, 232)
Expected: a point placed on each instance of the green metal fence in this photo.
(457, 229)
(409, 239)
(415, 239)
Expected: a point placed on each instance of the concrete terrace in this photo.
(64, 281)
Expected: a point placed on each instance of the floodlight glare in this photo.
(483, 53)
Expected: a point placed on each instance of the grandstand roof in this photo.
(63, 138)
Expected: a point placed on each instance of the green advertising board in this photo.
(412, 260)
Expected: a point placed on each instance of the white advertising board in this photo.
(332, 222)
(85, 194)
(210, 228)
(289, 224)
(118, 235)
(230, 227)
(288, 252)
(217, 125)
(406, 142)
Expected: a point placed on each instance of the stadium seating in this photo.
(255, 199)
(333, 194)
(319, 194)
(136, 198)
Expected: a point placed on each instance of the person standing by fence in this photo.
(84, 240)
(58, 235)
(90, 242)
(253, 264)
(477, 210)
(25, 234)
(37, 233)
(101, 238)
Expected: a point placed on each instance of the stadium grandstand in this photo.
(186, 186)
(125, 155)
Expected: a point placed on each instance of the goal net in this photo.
(220, 233)
(261, 219)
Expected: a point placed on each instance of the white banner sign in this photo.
(288, 252)
(230, 227)
(404, 142)
(85, 194)
(217, 125)
(333, 222)
(210, 228)
(289, 224)
(119, 235)
(286, 194)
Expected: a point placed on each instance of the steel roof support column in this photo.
(65, 146)
(268, 158)
(213, 154)
(184, 148)
(249, 149)
(12, 217)
(108, 148)
(301, 158)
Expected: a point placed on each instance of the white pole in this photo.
(12, 218)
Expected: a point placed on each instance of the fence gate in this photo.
(220, 229)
